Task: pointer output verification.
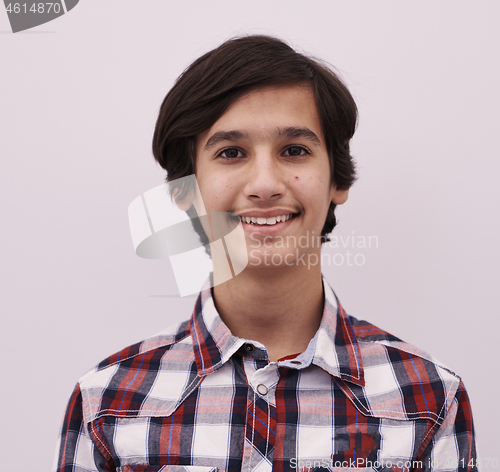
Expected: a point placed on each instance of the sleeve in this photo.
(453, 446)
(75, 450)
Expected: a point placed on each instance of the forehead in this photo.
(261, 112)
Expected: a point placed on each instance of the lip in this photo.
(259, 213)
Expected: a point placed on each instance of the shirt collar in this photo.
(334, 347)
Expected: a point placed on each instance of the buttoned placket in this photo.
(260, 434)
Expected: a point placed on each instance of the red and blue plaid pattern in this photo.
(195, 399)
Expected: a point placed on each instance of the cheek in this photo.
(217, 192)
(311, 186)
(313, 191)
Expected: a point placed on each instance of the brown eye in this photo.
(230, 153)
(295, 151)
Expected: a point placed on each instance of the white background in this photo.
(78, 101)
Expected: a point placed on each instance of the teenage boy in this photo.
(269, 373)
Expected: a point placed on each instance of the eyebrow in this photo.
(221, 136)
(287, 132)
(292, 132)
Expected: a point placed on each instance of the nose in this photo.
(265, 179)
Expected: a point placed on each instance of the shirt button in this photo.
(249, 347)
(262, 389)
(295, 362)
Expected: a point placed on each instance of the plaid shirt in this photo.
(195, 398)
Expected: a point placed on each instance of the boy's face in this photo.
(264, 158)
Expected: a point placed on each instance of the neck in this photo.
(279, 308)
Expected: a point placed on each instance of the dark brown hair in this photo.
(205, 90)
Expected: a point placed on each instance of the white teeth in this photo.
(266, 221)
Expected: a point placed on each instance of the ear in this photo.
(338, 196)
(186, 202)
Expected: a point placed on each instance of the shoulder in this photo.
(401, 380)
(369, 337)
(165, 339)
(141, 377)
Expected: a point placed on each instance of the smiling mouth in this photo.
(258, 221)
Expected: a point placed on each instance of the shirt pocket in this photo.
(165, 468)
